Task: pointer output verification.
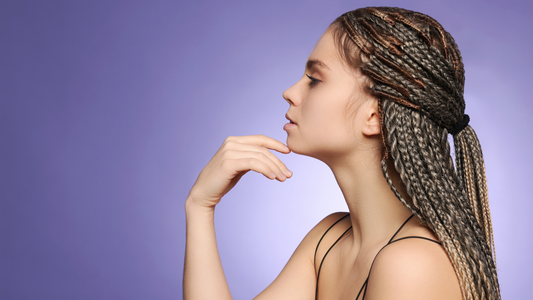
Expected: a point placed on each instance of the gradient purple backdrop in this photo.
(110, 109)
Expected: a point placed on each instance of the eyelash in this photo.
(314, 81)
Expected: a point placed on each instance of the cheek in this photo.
(327, 105)
(350, 115)
(328, 122)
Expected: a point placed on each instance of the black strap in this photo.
(416, 237)
(390, 241)
(397, 231)
(365, 285)
(314, 261)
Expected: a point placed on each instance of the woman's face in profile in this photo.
(321, 103)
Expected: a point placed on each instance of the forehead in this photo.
(325, 51)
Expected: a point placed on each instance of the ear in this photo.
(371, 125)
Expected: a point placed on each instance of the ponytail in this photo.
(471, 171)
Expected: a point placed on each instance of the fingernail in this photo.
(288, 172)
(272, 175)
(287, 148)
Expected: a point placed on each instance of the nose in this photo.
(290, 95)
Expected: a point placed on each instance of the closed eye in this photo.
(314, 81)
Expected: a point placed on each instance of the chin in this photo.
(290, 145)
(294, 146)
(300, 148)
(318, 151)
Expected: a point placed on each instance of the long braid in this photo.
(469, 150)
(418, 77)
(426, 210)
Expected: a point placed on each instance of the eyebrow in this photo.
(315, 62)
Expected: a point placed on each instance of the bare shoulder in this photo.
(413, 268)
(327, 222)
(310, 241)
(312, 238)
(297, 280)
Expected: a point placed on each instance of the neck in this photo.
(375, 211)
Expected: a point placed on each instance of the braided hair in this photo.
(418, 77)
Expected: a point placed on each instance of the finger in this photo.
(247, 147)
(261, 143)
(263, 157)
(249, 164)
(261, 140)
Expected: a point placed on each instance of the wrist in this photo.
(192, 205)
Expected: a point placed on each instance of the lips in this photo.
(290, 120)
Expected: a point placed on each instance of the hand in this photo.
(235, 157)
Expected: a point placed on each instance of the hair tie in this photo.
(460, 126)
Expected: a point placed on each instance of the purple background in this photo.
(110, 109)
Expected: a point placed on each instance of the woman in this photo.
(382, 89)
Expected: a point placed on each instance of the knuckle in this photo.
(229, 139)
(228, 143)
(226, 154)
(225, 163)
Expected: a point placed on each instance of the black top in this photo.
(366, 281)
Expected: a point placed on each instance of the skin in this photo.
(351, 147)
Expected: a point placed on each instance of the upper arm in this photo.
(297, 280)
(413, 269)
